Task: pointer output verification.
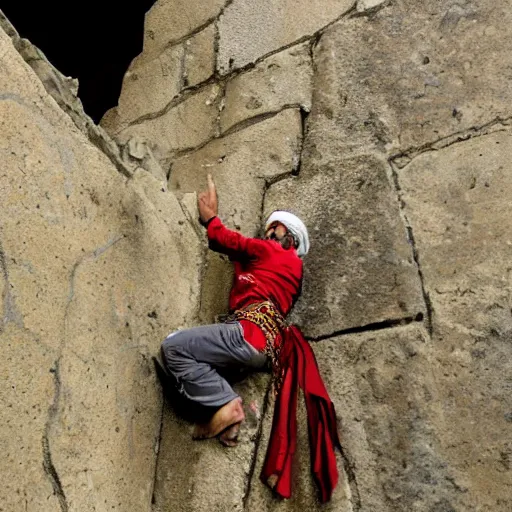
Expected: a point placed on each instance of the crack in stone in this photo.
(5, 277)
(221, 79)
(48, 464)
(352, 479)
(242, 125)
(368, 13)
(9, 313)
(190, 220)
(402, 159)
(375, 326)
(304, 114)
(186, 37)
(92, 256)
(268, 182)
(157, 452)
(257, 443)
(220, 103)
(415, 253)
(246, 123)
(183, 78)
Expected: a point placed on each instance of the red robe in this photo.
(265, 271)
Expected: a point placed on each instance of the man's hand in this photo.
(207, 201)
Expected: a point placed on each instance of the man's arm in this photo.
(220, 238)
(226, 241)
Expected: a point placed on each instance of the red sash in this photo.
(300, 368)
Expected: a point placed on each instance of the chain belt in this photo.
(267, 317)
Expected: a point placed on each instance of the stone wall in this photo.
(95, 270)
(385, 125)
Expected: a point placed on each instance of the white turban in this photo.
(295, 226)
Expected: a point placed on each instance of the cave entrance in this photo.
(94, 41)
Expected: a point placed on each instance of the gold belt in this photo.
(267, 317)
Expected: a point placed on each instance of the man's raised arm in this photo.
(220, 238)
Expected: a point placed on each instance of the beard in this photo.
(286, 242)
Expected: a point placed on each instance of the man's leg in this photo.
(193, 356)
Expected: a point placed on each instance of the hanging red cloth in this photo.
(300, 368)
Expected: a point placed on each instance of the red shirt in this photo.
(263, 271)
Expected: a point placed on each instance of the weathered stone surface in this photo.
(240, 163)
(148, 87)
(204, 476)
(364, 5)
(93, 273)
(409, 76)
(95, 269)
(474, 405)
(188, 124)
(385, 392)
(137, 151)
(199, 62)
(64, 91)
(282, 79)
(171, 20)
(276, 24)
(26, 395)
(457, 201)
(360, 268)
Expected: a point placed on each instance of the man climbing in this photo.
(267, 282)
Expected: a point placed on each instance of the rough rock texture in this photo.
(248, 30)
(386, 126)
(149, 86)
(191, 123)
(283, 79)
(88, 262)
(168, 21)
(407, 77)
(464, 240)
(204, 475)
(387, 402)
(360, 269)
(199, 64)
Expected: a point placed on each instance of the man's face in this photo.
(276, 231)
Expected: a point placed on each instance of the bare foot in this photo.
(227, 415)
(230, 436)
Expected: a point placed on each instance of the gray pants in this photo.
(193, 357)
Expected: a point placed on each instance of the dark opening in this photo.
(94, 41)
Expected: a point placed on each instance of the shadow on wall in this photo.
(93, 41)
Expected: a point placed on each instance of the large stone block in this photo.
(385, 392)
(457, 201)
(282, 79)
(184, 126)
(241, 164)
(474, 409)
(152, 82)
(171, 20)
(408, 76)
(277, 23)
(203, 476)
(26, 394)
(360, 269)
(93, 273)
(148, 87)
(199, 64)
